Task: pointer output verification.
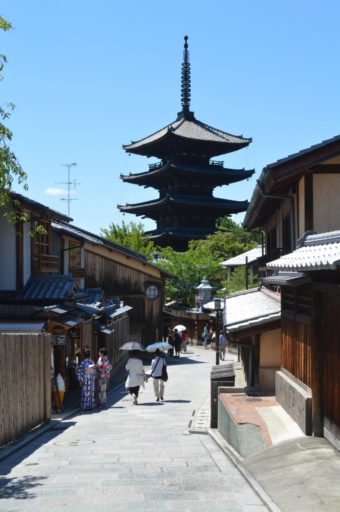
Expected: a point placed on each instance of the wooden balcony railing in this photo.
(45, 264)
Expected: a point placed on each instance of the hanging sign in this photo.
(59, 340)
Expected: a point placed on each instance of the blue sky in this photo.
(88, 77)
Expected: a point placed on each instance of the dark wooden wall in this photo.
(25, 383)
(118, 280)
(330, 340)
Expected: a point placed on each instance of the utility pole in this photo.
(68, 183)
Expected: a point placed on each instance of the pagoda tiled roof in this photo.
(181, 233)
(227, 206)
(216, 173)
(189, 130)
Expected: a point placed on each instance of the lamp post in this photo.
(218, 310)
(204, 290)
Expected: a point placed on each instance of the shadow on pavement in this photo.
(19, 488)
(23, 452)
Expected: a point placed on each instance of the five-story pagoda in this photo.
(186, 176)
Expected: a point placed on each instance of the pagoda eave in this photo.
(216, 174)
(154, 208)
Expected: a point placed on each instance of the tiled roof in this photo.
(217, 173)
(251, 307)
(185, 200)
(191, 129)
(48, 287)
(23, 200)
(252, 255)
(320, 252)
(287, 279)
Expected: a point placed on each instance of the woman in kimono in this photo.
(86, 374)
(103, 376)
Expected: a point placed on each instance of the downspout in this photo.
(283, 197)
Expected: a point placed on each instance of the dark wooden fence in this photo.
(25, 383)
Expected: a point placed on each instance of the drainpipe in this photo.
(282, 197)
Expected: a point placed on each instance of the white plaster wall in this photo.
(7, 255)
(326, 209)
(270, 359)
(301, 208)
(270, 351)
(27, 243)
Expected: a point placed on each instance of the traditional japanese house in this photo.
(308, 385)
(294, 198)
(186, 175)
(120, 273)
(296, 194)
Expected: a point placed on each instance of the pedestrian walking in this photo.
(222, 344)
(184, 338)
(136, 375)
(177, 342)
(86, 374)
(158, 370)
(170, 340)
(205, 335)
(103, 376)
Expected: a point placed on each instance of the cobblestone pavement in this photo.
(155, 456)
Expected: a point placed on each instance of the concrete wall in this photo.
(296, 399)
(246, 439)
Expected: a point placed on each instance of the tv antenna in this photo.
(68, 199)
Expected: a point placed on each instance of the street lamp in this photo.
(218, 309)
(204, 291)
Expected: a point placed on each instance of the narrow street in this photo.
(132, 457)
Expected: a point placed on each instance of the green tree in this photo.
(10, 169)
(203, 258)
(131, 236)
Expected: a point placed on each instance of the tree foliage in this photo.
(203, 258)
(131, 236)
(10, 169)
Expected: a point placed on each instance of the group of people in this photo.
(94, 379)
(178, 340)
(209, 337)
(137, 376)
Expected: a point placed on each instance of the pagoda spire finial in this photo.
(186, 81)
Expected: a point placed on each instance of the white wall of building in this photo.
(326, 210)
(27, 257)
(7, 255)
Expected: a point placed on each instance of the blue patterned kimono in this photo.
(87, 377)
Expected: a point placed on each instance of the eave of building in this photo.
(215, 173)
(188, 131)
(278, 177)
(44, 212)
(225, 206)
(110, 250)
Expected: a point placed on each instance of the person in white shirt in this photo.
(136, 375)
(156, 372)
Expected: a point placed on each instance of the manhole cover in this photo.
(76, 442)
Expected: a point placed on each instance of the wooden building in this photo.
(294, 198)
(186, 175)
(119, 272)
(308, 385)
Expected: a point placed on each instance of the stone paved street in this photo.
(132, 457)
